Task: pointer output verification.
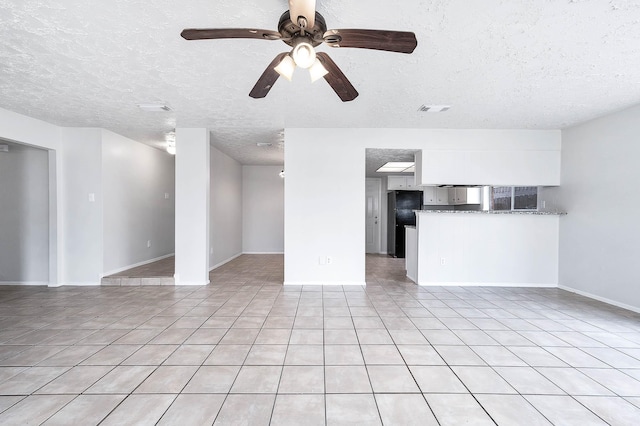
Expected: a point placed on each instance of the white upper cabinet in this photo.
(442, 196)
(401, 183)
(488, 167)
(429, 197)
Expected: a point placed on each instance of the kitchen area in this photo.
(470, 226)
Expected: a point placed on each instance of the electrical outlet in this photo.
(443, 261)
(92, 197)
(329, 260)
(148, 243)
(166, 195)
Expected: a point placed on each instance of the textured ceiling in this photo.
(532, 64)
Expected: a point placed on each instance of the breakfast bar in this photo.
(484, 248)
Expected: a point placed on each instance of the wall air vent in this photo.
(4, 148)
(434, 108)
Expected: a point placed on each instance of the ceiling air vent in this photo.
(154, 107)
(434, 108)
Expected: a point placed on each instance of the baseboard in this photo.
(225, 261)
(25, 283)
(600, 298)
(262, 252)
(135, 265)
(325, 283)
(191, 283)
(477, 284)
(74, 285)
(46, 284)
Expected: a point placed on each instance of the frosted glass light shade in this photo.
(304, 55)
(286, 67)
(317, 71)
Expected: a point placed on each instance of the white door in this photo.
(374, 189)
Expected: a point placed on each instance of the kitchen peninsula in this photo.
(487, 248)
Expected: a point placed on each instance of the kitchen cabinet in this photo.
(435, 196)
(457, 196)
(401, 183)
(442, 196)
(464, 195)
(429, 195)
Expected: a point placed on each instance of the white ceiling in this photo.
(534, 64)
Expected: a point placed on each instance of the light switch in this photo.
(92, 197)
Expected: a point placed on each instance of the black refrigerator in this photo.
(401, 206)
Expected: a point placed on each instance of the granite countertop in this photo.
(524, 212)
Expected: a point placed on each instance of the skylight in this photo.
(397, 167)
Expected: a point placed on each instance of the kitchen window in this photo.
(514, 198)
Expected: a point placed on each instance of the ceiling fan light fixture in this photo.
(317, 71)
(286, 67)
(304, 55)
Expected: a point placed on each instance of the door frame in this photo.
(378, 226)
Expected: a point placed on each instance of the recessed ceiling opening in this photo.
(397, 167)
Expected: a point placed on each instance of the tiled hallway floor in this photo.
(246, 350)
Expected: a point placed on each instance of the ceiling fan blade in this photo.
(305, 8)
(267, 79)
(390, 41)
(336, 79)
(217, 33)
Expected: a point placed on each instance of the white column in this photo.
(192, 207)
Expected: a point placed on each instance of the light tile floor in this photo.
(246, 350)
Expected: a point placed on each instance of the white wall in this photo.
(74, 171)
(81, 176)
(24, 215)
(599, 247)
(192, 206)
(225, 229)
(325, 190)
(135, 179)
(262, 209)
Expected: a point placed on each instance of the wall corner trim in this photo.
(235, 256)
(24, 283)
(600, 299)
(483, 284)
(135, 265)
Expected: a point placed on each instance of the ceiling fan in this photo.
(303, 28)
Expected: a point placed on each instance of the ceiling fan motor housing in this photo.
(291, 32)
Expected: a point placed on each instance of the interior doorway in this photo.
(380, 266)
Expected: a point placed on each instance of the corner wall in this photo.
(262, 209)
(135, 179)
(325, 190)
(225, 226)
(599, 246)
